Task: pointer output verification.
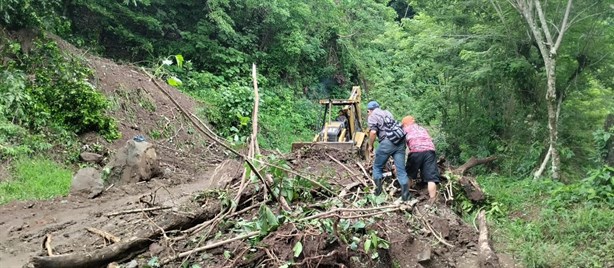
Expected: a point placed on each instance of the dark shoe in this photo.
(378, 186)
(405, 192)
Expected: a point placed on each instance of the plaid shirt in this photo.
(376, 122)
(418, 139)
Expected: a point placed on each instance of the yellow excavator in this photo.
(342, 126)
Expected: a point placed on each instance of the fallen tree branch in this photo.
(435, 234)
(47, 243)
(306, 260)
(298, 174)
(282, 200)
(472, 162)
(364, 171)
(210, 246)
(136, 211)
(341, 164)
(486, 256)
(104, 234)
(334, 211)
(126, 249)
(347, 188)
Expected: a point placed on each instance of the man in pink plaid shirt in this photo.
(421, 155)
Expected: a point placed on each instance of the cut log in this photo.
(472, 162)
(472, 189)
(469, 184)
(130, 248)
(486, 256)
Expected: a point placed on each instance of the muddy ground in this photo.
(198, 173)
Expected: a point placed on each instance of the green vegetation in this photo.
(467, 70)
(46, 99)
(550, 224)
(35, 179)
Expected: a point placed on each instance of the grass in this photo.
(36, 178)
(533, 222)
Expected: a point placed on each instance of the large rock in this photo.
(91, 157)
(87, 182)
(137, 161)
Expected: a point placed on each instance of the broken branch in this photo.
(47, 243)
(136, 211)
(104, 234)
(210, 246)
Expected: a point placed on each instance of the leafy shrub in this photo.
(549, 224)
(228, 105)
(597, 188)
(602, 138)
(55, 92)
(31, 13)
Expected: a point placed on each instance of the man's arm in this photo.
(372, 135)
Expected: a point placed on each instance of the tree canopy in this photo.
(469, 70)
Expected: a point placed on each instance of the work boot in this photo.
(405, 192)
(378, 186)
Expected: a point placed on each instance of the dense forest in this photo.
(528, 81)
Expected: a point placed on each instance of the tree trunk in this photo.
(486, 256)
(552, 116)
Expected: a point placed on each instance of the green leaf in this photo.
(153, 262)
(359, 225)
(179, 59)
(174, 81)
(367, 245)
(267, 220)
(298, 249)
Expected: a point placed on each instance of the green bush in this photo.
(228, 105)
(44, 89)
(35, 179)
(550, 224)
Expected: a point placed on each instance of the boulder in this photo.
(135, 162)
(87, 182)
(91, 157)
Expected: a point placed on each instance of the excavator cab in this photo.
(342, 128)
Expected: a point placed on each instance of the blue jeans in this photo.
(383, 152)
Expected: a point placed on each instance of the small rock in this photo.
(167, 172)
(113, 265)
(91, 157)
(425, 255)
(132, 264)
(155, 249)
(66, 235)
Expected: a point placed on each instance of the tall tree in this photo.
(533, 13)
